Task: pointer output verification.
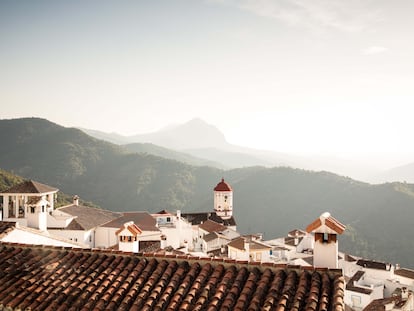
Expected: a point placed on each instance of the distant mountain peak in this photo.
(193, 134)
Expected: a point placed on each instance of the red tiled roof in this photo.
(42, 278)
(238, 243)
(131, 227)
(212, 226)
(330, 222)
(30, 186)
(223, 186)
(142, 219)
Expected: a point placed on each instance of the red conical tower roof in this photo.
(223, 186)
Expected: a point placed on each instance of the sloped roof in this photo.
(131, 227)
(407, 273)
(198, 218)
(327, 220)
(87, 217)
(30, 186)
(43, 278)
(8, 227)
(211, 236)
(223, 186)
(212, 226)
(143, 220)
(237, 243)
(255, 245)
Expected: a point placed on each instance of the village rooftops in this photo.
(212, 226)
(30, 187)
(87, 218)
(239, 243)
(44, 278)
(143, 220)
(198, 218)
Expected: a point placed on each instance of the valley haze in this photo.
(200, 139)
(326, 81)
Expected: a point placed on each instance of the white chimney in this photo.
(163, 241)
(404, 293)
(76, 200)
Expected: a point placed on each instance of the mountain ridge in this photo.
(217, 149)
(271, 200)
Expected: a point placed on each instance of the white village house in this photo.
(30, 205)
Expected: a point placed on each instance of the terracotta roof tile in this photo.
(212, 226)
(143, 220)
(45, 278)
(329, 221)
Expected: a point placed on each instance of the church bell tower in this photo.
(223, 200)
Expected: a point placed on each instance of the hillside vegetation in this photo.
(270, 200)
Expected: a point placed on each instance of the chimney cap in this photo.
(76, 199)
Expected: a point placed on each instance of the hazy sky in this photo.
(320, 76)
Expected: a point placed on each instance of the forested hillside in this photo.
(272, 201)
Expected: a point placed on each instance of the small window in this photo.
(325, 238)
(168, 219)
(32, 209)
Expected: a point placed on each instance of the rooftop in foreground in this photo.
(47, 278)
